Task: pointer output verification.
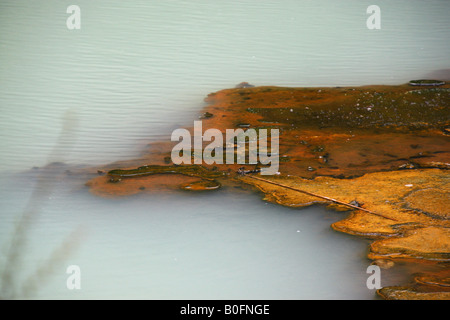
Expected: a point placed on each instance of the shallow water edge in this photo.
(336, 128)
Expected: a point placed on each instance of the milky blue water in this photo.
(137, 70)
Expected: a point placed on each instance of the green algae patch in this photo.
(206, 182)
(189, 170)
(426, 82)
(364, 107)
(156, 178)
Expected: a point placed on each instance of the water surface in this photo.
(221, 245)
(132, 74)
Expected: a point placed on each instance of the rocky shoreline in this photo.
(385, 149)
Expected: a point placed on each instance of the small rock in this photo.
(384, 263)
(407, 166)
(167, 159)
(356, 203)
(244, 85)
(206, 115)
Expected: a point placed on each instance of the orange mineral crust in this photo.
(380, 152)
